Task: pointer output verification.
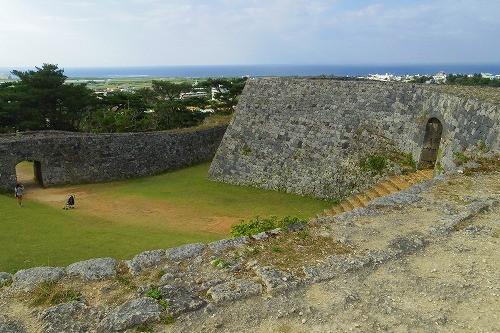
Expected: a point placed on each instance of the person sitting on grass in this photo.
(70, 203)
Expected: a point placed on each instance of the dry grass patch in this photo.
(290, 251)
(51, 293)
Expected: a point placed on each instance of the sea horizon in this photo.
(204, 71)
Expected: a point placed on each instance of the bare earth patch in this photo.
(131, 210)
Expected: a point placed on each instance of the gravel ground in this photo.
(451, 283)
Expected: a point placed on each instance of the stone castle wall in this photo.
(69, 158)
(311, 136)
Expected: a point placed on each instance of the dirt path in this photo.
(130, 210)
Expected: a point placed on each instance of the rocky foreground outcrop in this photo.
(421, 260)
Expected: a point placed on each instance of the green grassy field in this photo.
(100, 84)
(41, 234)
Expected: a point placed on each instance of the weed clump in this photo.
(166, 317)
(6, 283)
(461, 158)
(157, 295)
(219, 263)
(50, 293)
(375, 162)
(477, 158)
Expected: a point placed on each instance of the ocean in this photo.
(267, 70)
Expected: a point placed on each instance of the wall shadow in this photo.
(430, 146)
(29, 173)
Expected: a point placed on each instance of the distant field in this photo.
(121, 219)
(124, 83)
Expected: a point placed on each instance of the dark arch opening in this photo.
(430, 146)
(29, 173)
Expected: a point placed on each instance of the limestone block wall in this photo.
(310, 136)
(468, 123)
(69, 158)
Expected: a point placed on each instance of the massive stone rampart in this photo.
(314, 136)
(69, 158)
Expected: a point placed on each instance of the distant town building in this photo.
(440, 77)
(382, 77)
(490, 76)
(5, 76)
(218, 90)
(196, 92)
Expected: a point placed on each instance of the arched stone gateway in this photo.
(29, 172)
(430, 146)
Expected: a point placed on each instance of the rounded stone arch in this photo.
(25, 176)
(430, 144)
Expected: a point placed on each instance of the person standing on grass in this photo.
(18, 193)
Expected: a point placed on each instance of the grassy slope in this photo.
(191, 187)
(39, 234)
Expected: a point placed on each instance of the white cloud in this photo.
(171, 32)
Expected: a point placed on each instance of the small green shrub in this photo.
(276, 249)
(145, 328)
(157, 295)
(482, 146)
(289, 220)
(164, 303)
(302, 234)
(253, 227)
(410, 161)
(167, 318)
(161, 272)
(374, 162)
(260, 225)
(126, 282)
(221, 263)
(6, 283)
(460, 158)
(154, 293)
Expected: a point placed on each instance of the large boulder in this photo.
(93, 269)
(28, 279)
(144, 310)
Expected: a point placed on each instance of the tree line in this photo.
(461, 80)
(471, 80)
(42, 100)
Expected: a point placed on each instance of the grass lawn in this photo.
(156, 212)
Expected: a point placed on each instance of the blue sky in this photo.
(81, 33)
